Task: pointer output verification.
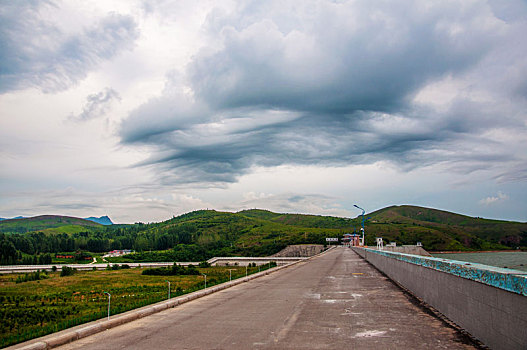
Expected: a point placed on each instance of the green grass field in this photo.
(35, 308)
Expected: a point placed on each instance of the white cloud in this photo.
(500, 197)
(97, 105)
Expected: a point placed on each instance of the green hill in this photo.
(202, 234)
(301, 220)
(50, 223)
(442, 230)
(257, 232)
(225, 233)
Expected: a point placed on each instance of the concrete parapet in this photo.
(160, 307)
(61, 339)
(35, 346)
(488, 302)
(406, 249)
(89, 330)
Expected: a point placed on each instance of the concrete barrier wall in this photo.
(489, 303)
(218, 261)
(406, 249)
(244, 261)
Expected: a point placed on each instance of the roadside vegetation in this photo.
(40, 303)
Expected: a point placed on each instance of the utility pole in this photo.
(168, 289)
(230, 274)
(362, 228)
(109, 298)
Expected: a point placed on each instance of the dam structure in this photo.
(488, 302)
(342, 298)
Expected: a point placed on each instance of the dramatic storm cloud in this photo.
(337, 83)
(37, 52)
(299, 106)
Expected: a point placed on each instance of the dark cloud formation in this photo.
(338, 83)
(97, 105)
(35, 52)
(344, 59)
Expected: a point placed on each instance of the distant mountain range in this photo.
(18, 217)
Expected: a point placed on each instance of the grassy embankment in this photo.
(35, 308)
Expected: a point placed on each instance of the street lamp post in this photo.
(362, 228)
(109, 298)
(230, 274)
(246, 270)
(168, 289)
(205, 280)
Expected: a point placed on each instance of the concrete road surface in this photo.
(334, 301)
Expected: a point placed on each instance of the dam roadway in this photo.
(336, 300)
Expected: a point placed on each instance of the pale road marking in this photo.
(333, 301)
(370, 334)
(313, 295)
(289, 323)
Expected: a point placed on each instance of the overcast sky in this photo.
(142, 110)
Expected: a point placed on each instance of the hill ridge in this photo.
(260, 231)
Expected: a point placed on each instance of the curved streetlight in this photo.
(109, 298)
(362, 228)
(205, 280)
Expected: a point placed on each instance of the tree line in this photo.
(195, 236)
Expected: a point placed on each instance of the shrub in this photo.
(32, 276)
(175, 270)
(67, 271)
(204, 264)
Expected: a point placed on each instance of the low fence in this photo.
(490, 303)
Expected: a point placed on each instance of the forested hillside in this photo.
(442, 230)
(202, 234)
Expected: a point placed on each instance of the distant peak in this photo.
(103, 220)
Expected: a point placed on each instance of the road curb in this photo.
(50, 341)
